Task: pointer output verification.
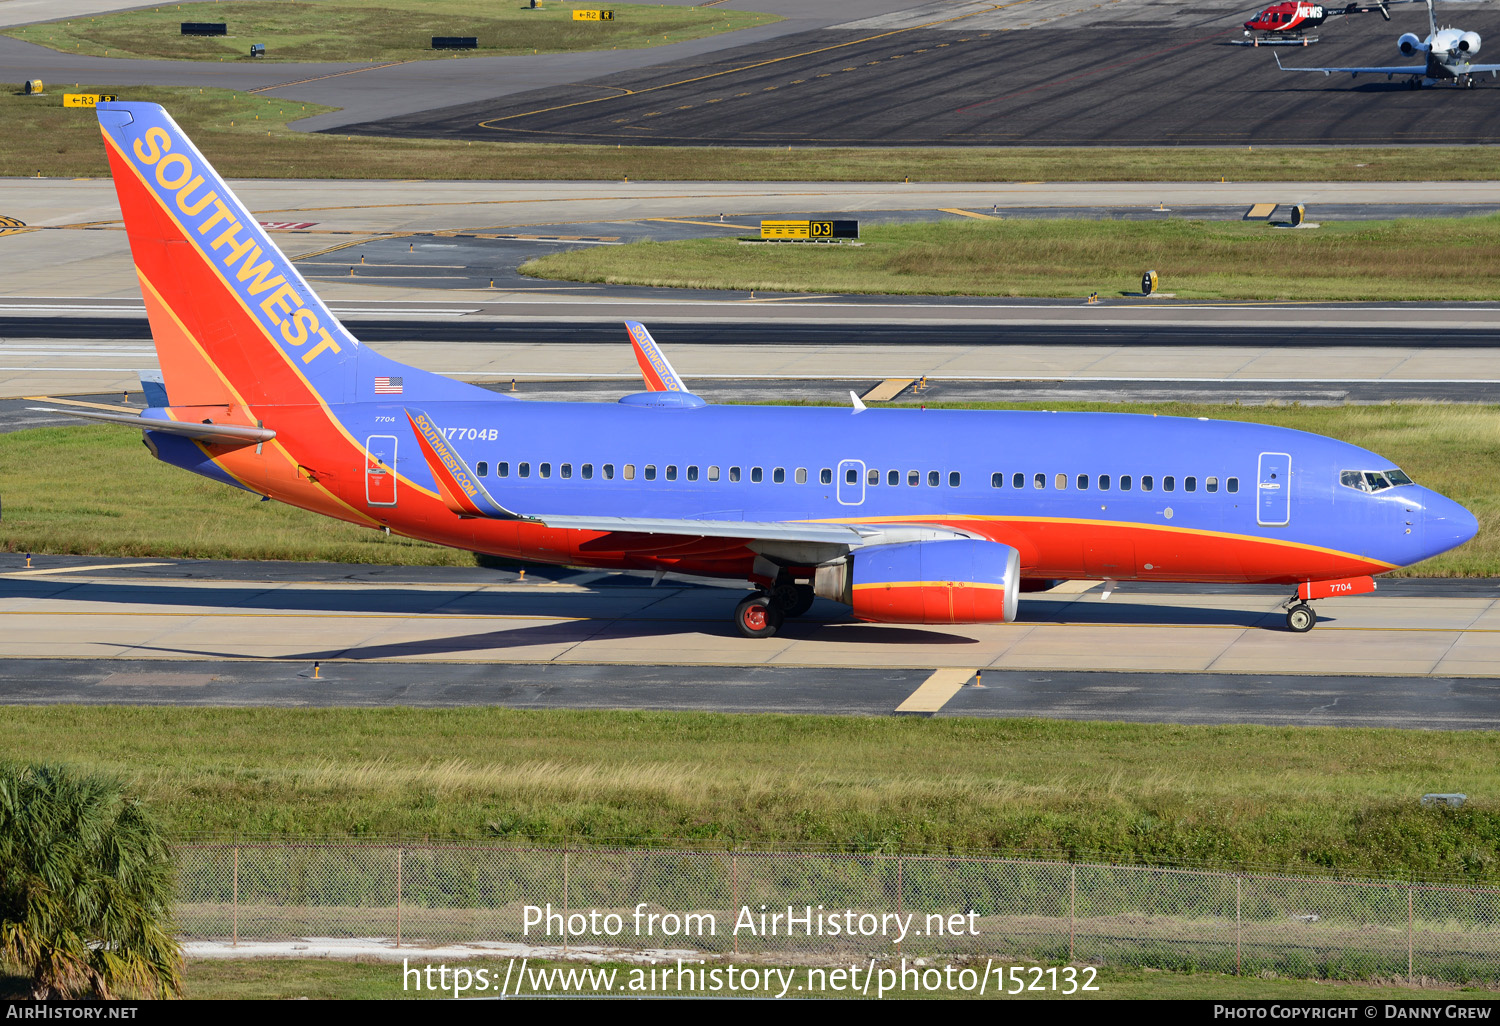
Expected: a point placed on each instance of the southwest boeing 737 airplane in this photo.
(907, 516)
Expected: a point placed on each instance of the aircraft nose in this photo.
(1445, 524)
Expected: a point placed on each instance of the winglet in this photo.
(859, 406)
(462, 493)
(659, 375)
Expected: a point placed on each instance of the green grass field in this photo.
(278, 979)
(1350, 260)
(246, 136)
(103, 494)
(320, 979)
(1304, 799)
(393, 30)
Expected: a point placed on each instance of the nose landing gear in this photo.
(1300, 617)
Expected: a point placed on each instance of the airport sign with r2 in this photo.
(593, 15)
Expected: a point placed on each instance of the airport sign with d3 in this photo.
(809, 229)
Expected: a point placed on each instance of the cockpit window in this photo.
(1373, 480)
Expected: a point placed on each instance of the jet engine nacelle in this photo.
(1468, 43)
(1409, 44)
(958, 580)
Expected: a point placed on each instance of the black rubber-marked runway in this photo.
(1410, 702)
(822, 333)
(1117, 85)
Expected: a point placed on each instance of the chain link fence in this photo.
(840, 906)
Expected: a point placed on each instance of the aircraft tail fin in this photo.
(234, 321)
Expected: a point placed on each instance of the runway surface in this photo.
(1417, 653)
(1429, 703)
(1169, 80)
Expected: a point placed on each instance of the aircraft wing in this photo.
(222, 434)
(1407, 69)
(464, 493)
(659, 374)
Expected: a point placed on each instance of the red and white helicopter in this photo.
(1286, 23)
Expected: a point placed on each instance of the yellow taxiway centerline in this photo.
(935, 691)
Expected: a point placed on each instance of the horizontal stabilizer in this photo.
(457, 483)
(221, 434)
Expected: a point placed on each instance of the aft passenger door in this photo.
(1273, 492)
(380, 470)
(851, 482)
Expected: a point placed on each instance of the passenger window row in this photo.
(1104, 482)
(669, 472)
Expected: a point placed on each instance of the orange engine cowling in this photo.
(958, 580)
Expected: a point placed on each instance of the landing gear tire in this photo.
(792, 599)
(1301, 618)
(758, 617)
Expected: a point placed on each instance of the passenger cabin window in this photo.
(893, 478)
(1018, 480)
(1104, 482)
(1083, 482)
(1210, 484)
(609, 472)
(997, 480)
(523, 470)
(734, 473)
(1168, 484)
(851, 476)
(1061, 482)
(502, 470)
(778, 476)
(1124, 482)
(913, 477)
(649, 472)
(545, 470)
(757, 475)
(873, 477)
(629, 472)
(825, 476)
(692, 473)
(713, 473)
(672, 472)
(1147, 483)
(587, 470)
(482, 468)
(1190, 484)
(566, 470)
(802, 475)
(1039, 481)
(933, 477)
(1232, 484)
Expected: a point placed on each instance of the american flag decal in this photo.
(387, 386)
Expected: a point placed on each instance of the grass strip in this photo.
(280, 979)
(392, 30)
(1293, 798)
(1344, 261)
(246, 136)
(94, 490)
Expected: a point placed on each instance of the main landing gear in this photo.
(1300, 617)
(761, 615)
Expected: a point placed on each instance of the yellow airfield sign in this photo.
(86, 99)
